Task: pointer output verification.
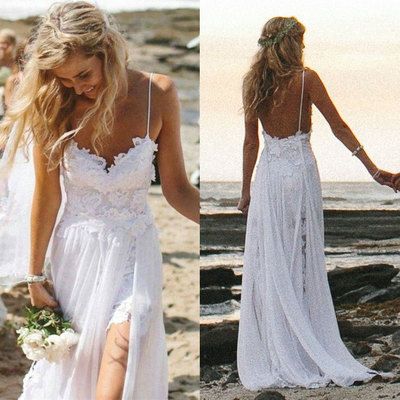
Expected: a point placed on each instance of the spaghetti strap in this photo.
(301, 101)
(149, 107)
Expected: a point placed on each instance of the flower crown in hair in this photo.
(289, 24)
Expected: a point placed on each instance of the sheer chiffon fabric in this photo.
(288, 332)
(106, 267)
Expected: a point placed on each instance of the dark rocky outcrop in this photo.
(387, 363)
(344, 280)
(270, 395)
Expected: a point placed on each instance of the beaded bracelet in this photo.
(29, 278)
(359, 148)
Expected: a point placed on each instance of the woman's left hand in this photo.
(386, 178)
(396, 181)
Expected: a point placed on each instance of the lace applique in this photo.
(122, 313)
(303, 246)
(108, 202)
(288, 152)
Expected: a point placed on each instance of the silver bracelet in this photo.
(376, 174)
(358, 149)
(29, 278)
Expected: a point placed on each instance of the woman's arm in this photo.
(45, 206)
(176, 187)
(319, 96)
(250, 152)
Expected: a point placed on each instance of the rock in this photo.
(270, 395)
(213, 294)
(232, 378)
(344, 280)
(395, 351)
(387, 363)
(188, 62)
(348, 330)
(379, 296)
(209, 374)
(354, 295)
(379, 349)
(218, 342)
(217, 276)
(360, 349)
(395, 338)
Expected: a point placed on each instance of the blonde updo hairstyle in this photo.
(41, 105)
(279, 58)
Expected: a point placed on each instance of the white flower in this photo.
(34, 339)
(33, 345)
(70, 337)
(33, 353)
(22, 331)
(56, 348)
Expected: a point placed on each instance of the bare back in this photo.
(293, 114)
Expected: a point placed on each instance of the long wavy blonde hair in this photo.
(279, 58)
(41, 106)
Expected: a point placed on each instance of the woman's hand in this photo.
(385, 178)
(40, 295)
(244, 203)
(396, 181)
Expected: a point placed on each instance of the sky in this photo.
(353, 46)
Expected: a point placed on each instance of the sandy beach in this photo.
(157, 42)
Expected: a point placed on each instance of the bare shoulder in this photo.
(312, 78)
(164, 92)
(163, 83)
(310, 75)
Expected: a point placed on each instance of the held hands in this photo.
(386, 178)
(40, 295)
(396, 182)
(244, 203)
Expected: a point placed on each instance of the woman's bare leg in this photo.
(111, 379)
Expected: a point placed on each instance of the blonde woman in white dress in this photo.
(97, 125)
(288, 333)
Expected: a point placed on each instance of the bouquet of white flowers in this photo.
(46, 334)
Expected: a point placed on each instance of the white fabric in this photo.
(105, 261)
(288, 332)
(16, 191)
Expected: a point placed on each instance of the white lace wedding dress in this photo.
(106, 268)
(288, 332)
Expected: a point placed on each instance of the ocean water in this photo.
(18, 9)
(221, 196)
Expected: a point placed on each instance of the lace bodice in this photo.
(117, 197)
